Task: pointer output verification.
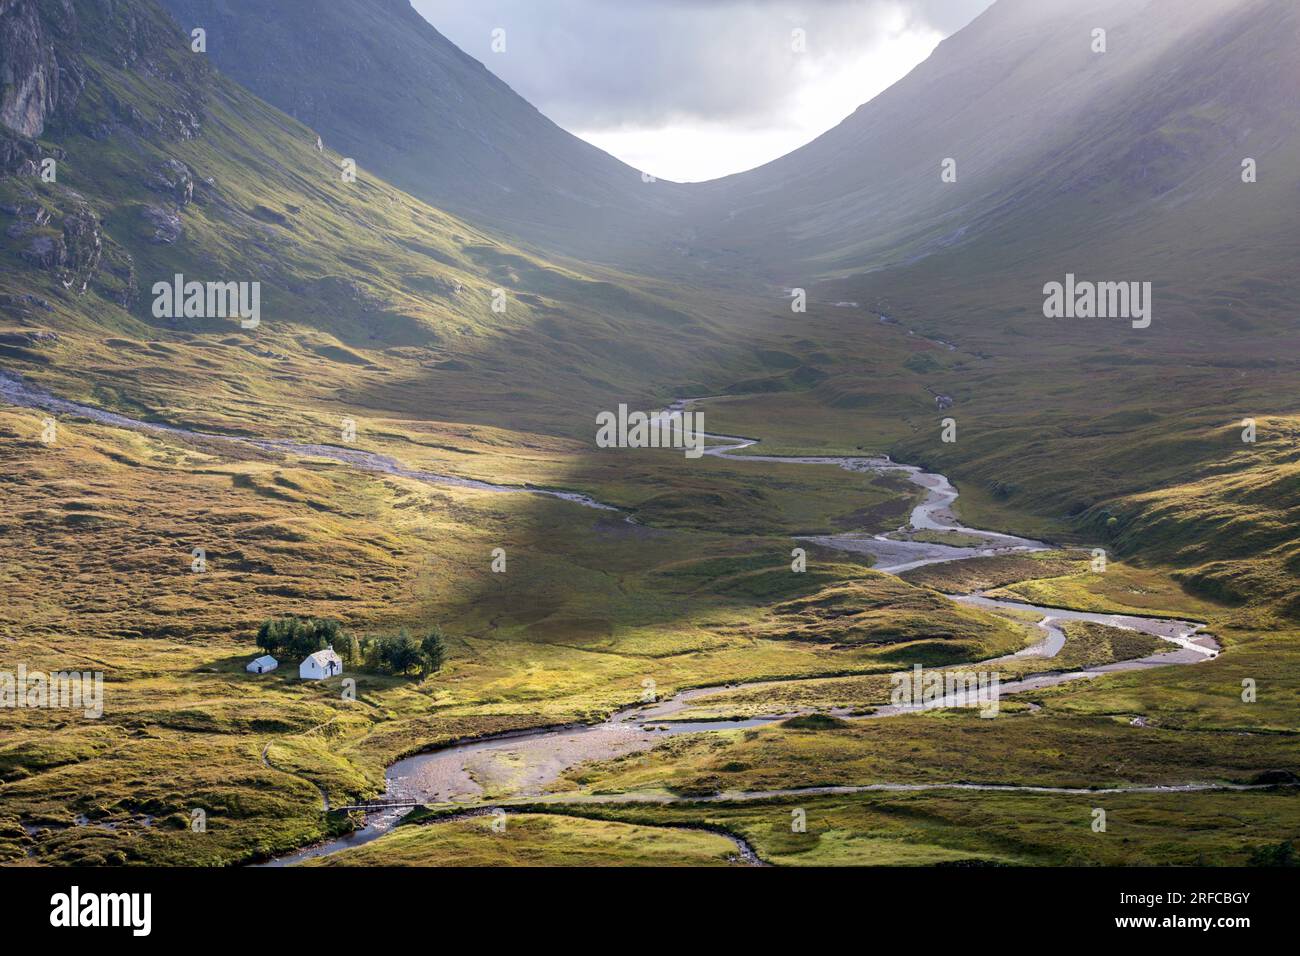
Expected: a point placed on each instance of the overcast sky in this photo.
(694, 89)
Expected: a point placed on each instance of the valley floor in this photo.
(593, 609)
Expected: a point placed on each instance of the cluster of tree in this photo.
(401, 653)
(293, 638)
(1279, 854)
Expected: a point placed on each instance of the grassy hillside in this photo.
(542, 840)
(370, 299)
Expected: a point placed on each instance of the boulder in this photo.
(173, 178)
(166, 224)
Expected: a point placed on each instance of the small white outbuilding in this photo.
(320, 665)
(263, 665)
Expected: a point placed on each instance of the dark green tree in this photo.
(329, 631)
(269, 636)
(434, 648)
(403, 653)
(304, 638)
(295, 637)
(349, 649)
(374, 653)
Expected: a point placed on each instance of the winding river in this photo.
(526, 763)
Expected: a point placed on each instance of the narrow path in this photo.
(15, 391)
(324, 794)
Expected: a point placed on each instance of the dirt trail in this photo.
(15, 391)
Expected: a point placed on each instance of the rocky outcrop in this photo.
(27, 218)
(174, 179)
(84, 241)
(72, 255)
(20, 156)
(177, 123)
(45, 252)
(117, 280)
(164, 224)
(34, 80)
(43, 71)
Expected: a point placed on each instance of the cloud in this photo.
(624, 72)
(948, 16)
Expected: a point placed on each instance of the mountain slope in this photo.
(1045, 133)
(381, 84)
(164, 166)
(1144, 140)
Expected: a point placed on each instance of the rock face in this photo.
(73, 256)
(22, 157)
(84, 241)
(174, 179)
(51, 52)
(33, 82)
(26, 219)
(165, 224)
(47, 56)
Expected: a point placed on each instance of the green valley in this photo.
(651, 659)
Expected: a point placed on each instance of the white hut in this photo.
(263, 665)
(320, 665)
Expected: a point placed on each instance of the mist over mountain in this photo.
(1129, 146)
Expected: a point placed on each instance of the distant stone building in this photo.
(321, 665)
